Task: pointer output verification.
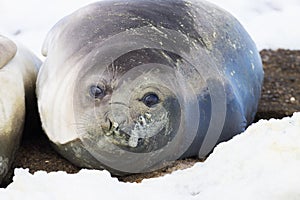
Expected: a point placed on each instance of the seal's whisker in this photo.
(118, 103)
(84, 120)
(113, 69)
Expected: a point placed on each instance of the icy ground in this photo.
(262, 163)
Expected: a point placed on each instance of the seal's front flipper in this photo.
(8, 50)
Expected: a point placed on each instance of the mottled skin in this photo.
(18, 71)
(194, 61)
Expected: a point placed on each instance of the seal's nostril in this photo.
(148, 115)
(110, 124)
(115, 125)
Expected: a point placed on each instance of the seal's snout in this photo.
(115, 126)
(110, 124)
(109, 128)
(106, 126)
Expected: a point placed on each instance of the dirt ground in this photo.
(280, 97)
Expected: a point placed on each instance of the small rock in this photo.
(292, 99)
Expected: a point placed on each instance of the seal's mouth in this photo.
(138, 134)
(114, 134)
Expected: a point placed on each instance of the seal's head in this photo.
(135, 109)
(127, 104)
(128, 99)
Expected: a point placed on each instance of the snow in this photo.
(271, 23)
(262, 163)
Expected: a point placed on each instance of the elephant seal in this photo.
(18, 72)
(129, 86)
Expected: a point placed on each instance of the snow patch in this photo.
(261, 163)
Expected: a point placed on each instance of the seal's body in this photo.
(18, 71)
(129, 85)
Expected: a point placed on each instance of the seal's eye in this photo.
(97, 92)
(150, 99)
